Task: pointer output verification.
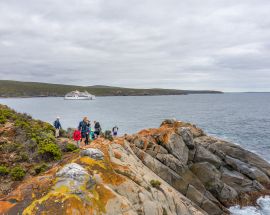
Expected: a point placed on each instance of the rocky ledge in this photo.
(174, 169)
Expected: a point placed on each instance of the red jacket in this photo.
(77, 135)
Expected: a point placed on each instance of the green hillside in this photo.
(35, 89)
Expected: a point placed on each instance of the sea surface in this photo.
(243, 118)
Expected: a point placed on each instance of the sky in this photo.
(188, 44)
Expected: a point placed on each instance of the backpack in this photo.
(77, 135)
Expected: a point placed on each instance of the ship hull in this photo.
(79, 98)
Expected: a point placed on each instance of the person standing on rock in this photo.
(97, 129)
(57, 126)
(114, 131)
(84, 128)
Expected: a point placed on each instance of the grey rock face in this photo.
(208, 171)
(74, 177)
(187, 136)
(227, 193)
(72, 171)
(194, 195)
(248, 170)
(93, 153)
(203, 155)
(177, 147)
(168, 122)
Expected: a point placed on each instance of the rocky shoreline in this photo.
(173, 169)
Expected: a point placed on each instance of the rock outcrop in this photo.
(175, 169)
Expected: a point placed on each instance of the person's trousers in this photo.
(57, 131)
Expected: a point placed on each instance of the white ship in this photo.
(77, 95)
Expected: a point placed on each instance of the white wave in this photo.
(262, 209)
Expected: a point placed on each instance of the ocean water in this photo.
(263, 208)
(243, 118)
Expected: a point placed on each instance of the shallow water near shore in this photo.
(263, 208)
(242, 118)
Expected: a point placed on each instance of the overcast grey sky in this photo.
(187, 44)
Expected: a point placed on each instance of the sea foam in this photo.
(263, 208)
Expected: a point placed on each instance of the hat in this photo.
(58, 117)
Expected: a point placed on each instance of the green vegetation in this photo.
(155, 183)
(164, 211)
(49, 150)
(17, 173)
(71, 147)
(41, 168)
(34, 89)
(3, 171)
(40, 134)
(23, 156)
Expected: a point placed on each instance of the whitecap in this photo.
(263, 208)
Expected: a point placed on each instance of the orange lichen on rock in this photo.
(117, 155)
(5, 206)
(120, 141)
(106, 168)
(101, 196)
(92, 163)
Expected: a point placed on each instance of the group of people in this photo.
(84, 132)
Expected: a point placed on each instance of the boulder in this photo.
(231, 176)
(72, 177)
(72, 171)
(203, 155)
(179, 182)
(172, 162)
(227, 193)
(168, 122)
(209, 176)
(211, 208)
(248, 170)
(176, 146)
(187, 136)
(191, 155)
(245, 156)
(93, 153)
(194, 195)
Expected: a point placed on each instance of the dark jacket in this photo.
(115, 129)
(97, 126)
(84, 127)
(57, 124)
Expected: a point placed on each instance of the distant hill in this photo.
(35, 89)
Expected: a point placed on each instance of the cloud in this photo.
(172, 44)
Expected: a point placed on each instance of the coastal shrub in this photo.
(3, 170)
(41, 168)
(71, 147)
(155, 183)
(63, 133)
(3, 120)
(23, 156)
(164, 211)
(17, 173)
(10, 147)
(49, 151)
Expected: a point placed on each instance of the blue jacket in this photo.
(84, 127)
(57, 124)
